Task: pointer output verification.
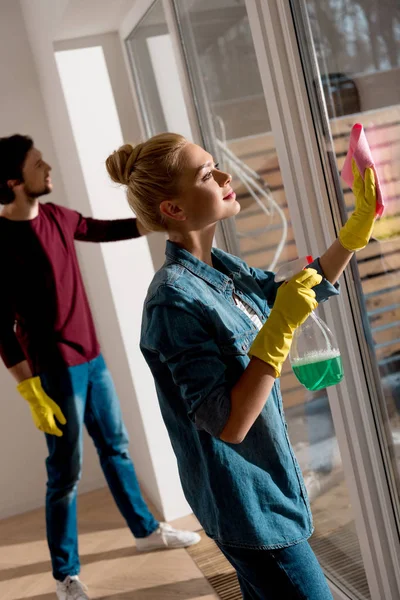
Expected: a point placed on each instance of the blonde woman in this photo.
(215, 334)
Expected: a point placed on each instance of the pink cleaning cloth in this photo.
(361, 152)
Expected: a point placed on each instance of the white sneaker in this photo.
(167, 537)
(318, 483)
(312, 481)
(71, 589)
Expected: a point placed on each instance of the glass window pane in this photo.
(235, 125)
(156, 73)
(236, 128)
(357, 49)
(357, 45)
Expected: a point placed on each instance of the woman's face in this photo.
(205, 195)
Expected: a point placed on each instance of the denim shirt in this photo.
(195, 341)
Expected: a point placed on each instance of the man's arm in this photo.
(43, 409)
(10, 349)
(96, 230)
(87, 229)
(21, 371)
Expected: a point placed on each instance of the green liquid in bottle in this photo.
(319, 371)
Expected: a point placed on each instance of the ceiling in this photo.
(81, 18)
(91, 17)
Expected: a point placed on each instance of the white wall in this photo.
(88, 117)
(126, 104)
(22, 447)
(32, 102)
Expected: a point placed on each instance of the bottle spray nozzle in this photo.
(291, 268)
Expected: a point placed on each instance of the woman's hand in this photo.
(356, 233)
(295, 300)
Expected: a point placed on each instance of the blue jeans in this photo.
(86, 395)
(291, 573)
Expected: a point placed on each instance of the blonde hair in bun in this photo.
(150, 171)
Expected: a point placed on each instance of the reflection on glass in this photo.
(358, 50)
(235, 123)
(357, 45)
(153, 24)
(156, 74)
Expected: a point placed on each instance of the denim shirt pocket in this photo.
(234, 354)
(239, 344)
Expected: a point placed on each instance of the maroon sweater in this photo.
(45, 315)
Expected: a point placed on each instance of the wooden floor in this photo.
(111, 567)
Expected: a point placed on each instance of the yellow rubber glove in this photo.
(43, 408)
(294, 302)
(356, 233)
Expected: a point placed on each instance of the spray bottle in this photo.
(314, 354)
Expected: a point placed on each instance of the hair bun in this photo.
(121, 163)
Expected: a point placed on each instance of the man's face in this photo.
(36, 175)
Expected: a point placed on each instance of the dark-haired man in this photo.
(49, 344)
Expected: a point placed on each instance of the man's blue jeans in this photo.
(87, 396)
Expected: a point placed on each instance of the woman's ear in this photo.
(172, 210)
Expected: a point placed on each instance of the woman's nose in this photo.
(223, 178)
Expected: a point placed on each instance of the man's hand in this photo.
(43, 409)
